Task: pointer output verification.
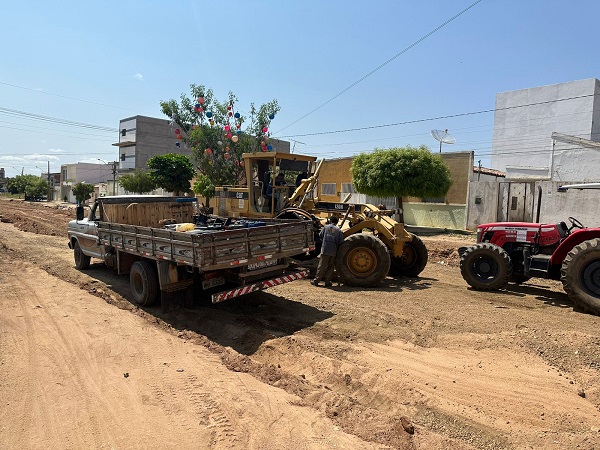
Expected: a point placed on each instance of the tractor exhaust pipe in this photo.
(539, 205)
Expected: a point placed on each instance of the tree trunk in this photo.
(400, 210)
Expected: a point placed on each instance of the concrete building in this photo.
(548, 132)
(141, 138)
(71, 174)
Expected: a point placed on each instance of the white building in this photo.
(71, 174)
(524, 145)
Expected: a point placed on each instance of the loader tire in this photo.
(580, 275)
(412, 261)
(82, 261)
(485, 266)
(143, 281)
(362, 260)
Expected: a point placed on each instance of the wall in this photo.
(556, 206)
(461, 168)
(482, 205)
(522, 141)
(584, 205)
(450, 215)
(436, 215)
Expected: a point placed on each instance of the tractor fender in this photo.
(573, 240)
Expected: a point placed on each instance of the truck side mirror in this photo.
(79, 212)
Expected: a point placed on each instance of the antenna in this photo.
(443, 137)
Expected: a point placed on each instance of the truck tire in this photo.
(412, 261)
(82, 261)
(580, 275)
(486, 266)
(362, 260)
(143, 281)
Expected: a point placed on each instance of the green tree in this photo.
(82, 192)
(30, 185)
(401, 172)
(204, 187)
(172, 172)
(138, 182)
(36, 188)
(18, 184)
(218, 134)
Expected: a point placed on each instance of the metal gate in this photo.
(515, 202)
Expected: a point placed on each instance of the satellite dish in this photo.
(443, 137)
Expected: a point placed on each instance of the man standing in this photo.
(331, 237)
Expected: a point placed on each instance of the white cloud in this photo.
(139, 76)
(35, 157)
(41, 157)
(55, 150)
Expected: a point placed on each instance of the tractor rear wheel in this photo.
(412, 261)
(143, 281)
(485, 266)
(580, 275)
(362, 260)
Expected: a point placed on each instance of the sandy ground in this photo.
(294, 367)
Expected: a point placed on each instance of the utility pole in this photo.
(49, 186)
(114, 173)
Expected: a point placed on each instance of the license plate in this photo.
(207, 284)
(262, 264)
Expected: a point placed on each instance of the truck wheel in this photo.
(143, 281)
(580, 275)
(82, 261)
(362, 260)
(485, 266)
(412, 261)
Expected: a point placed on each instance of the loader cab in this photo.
(271, 179)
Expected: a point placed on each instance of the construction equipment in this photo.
(375, 244)
(517, 251)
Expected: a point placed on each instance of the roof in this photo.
(486, 171)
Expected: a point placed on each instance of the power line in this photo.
(451, 116)
(418, 41)
(37, 91)
(31, 116)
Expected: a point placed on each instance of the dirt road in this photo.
(296, 367)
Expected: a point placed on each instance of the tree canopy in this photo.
(401, 172)
(204, 187)
(82, 192)
(172, 172)
(30, 185)
(138, 182)
(218, 133)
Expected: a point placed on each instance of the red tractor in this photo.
(517, 251)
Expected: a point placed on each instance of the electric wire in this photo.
(343, 91)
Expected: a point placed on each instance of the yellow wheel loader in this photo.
(375, 245)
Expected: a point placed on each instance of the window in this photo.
(124, 132)
(328, 189)
(122, 156)
(348, 188)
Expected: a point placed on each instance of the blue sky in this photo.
(99, 62)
